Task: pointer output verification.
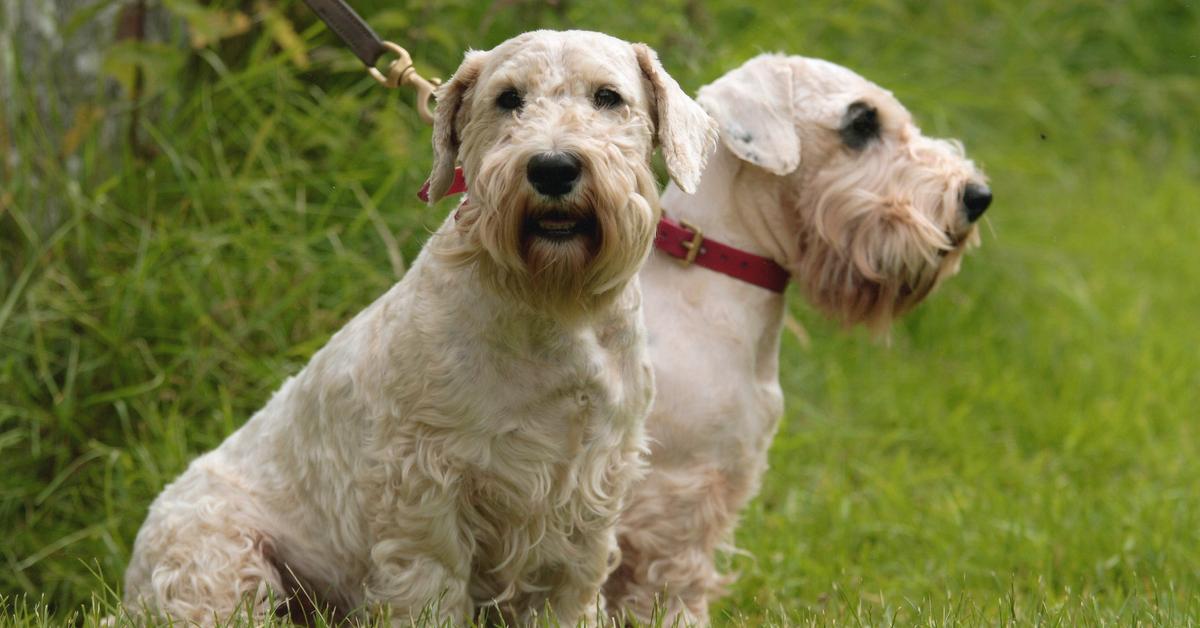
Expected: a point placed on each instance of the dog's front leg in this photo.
(578, 600)
(420, 567)
(417, 589)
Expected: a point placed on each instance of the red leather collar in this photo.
(686, 242)
(459, 185)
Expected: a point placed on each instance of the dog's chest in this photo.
(552, 396)
(546, 477)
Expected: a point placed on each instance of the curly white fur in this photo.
(469, 439)
(867, 232)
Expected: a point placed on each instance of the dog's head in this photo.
(882, 212)
(554, 132)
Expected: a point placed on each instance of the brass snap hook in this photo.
(401, 72)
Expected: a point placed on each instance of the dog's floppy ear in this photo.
(685, 132)
(448, 119)
(754, 106)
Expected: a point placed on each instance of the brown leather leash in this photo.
(369, 47)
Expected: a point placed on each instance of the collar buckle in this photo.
(692, 246)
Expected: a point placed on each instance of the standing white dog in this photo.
(822, 176)
(469, 439)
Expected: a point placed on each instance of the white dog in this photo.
(469, 439)
(822, 176)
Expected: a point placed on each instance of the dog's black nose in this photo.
(976, 197)
(553, 174)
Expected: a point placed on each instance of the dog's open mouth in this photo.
(558, 225)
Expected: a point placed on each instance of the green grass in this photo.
(1023, 450)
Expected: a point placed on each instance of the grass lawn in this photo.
(1024, 448)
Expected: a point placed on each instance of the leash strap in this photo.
(368, 47)
(350, 28)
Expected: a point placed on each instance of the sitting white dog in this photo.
(468, 440)
(821, 179)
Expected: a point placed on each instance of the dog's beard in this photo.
(867, 258)
(558, 244)
(563, 256)
(855, 286)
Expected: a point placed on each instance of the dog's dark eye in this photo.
(860, 126)
(606, 98)
(509, 99)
